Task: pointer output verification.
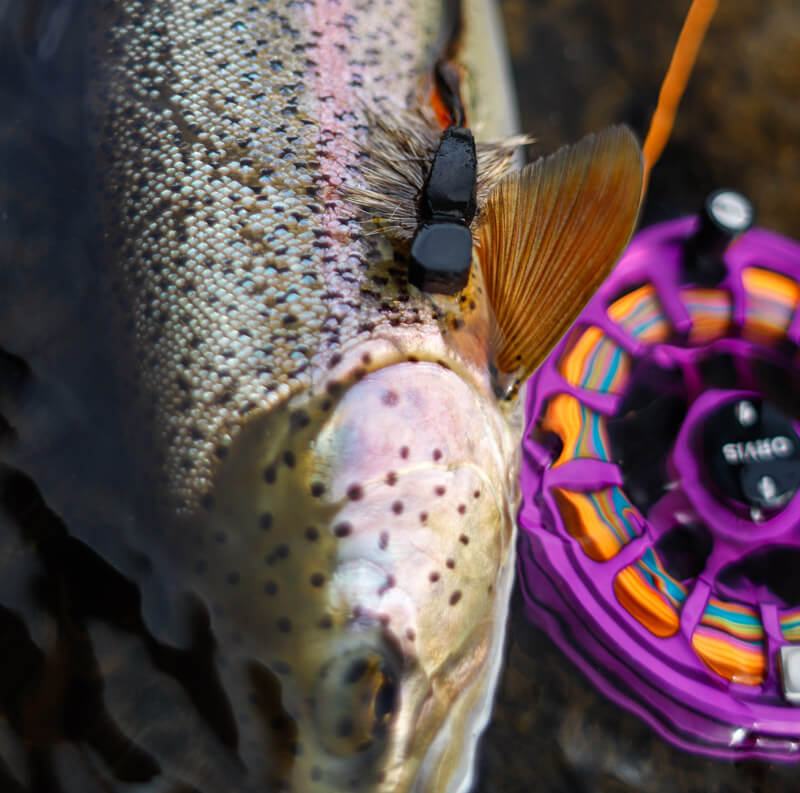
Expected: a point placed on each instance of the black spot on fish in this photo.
(391, 478)
(326, 623)
(450, 564)
(299, 419)
(387, 585)
(233, 578)
(289, 459)
(271, 588)
(455, 597)
(317, 579)
(433, 577)
(410, 635)
(462, 508)
(437, 454)
(265, 521)
(355, 492)
(342, 529)
(284, 624)
(317, 489)
(423, 516)
(279, 553)
(404, 452)
(440, 490)
(208, 502)
(476, 494)
(389, 398)
(366, 359)
(397, 507)
(383, 540)
(463, 539)
(270, 474)
(312, 534)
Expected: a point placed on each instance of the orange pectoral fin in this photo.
(549, 236)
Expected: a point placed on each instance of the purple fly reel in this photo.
(660, 543)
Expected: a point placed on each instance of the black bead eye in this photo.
(440, 258)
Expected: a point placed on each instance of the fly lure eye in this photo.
(442, 247)
(356, 697)
(440, 258)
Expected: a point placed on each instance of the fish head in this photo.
(426, 562)
(379, 590)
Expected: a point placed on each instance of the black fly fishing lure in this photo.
(427, 187)
(441, 250)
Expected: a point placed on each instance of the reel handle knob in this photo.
(724, 217)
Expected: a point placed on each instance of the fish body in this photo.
(322, 459)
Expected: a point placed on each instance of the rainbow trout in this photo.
(327, 457)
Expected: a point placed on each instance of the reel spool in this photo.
(660, 520)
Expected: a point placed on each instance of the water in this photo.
(579, 66)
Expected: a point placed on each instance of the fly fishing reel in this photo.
(660, 543)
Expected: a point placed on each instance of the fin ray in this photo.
(549, 236)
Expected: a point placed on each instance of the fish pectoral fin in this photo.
(548, 237)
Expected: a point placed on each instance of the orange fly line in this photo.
(680, 67)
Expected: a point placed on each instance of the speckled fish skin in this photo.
(334, 480)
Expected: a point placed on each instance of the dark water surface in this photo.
(579, 66)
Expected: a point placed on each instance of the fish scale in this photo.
(228, 130)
